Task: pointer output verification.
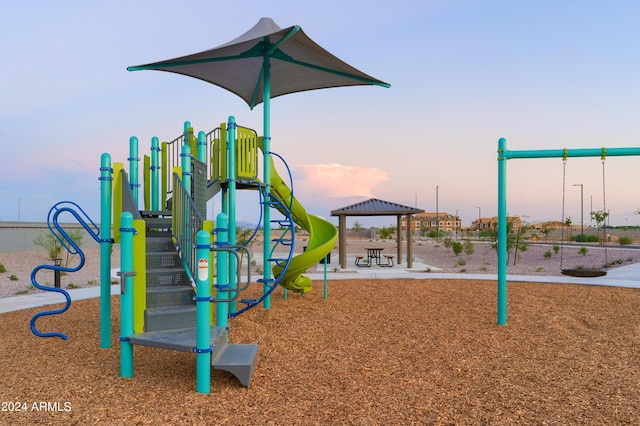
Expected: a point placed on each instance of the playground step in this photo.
(180, 339)
(159, 243)
(160, 277)
(163, 260)
(169, 296)
(240, 360)
(169, 318)
(158, 223)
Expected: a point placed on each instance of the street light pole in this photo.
(581, 208)
(455, 223)
(437, 218)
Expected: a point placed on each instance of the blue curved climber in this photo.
(70, 245)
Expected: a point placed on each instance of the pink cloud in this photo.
(337, 180)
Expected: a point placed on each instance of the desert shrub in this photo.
(625, 239)
(580, 238)
(593, 239)
(547, 254)
(556, 248)
(2, 268)
(583, 251)
(457, 248)
(462, 262)
(13, 278)
(469, 249)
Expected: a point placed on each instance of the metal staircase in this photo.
(170, 314)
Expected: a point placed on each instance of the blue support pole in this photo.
(232, 173)
(155, 174)
(133, 167)
(203, 315)
(222, 271)
(126, 294)
(106, 197)
(502, 233)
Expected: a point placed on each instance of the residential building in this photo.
(421, 221)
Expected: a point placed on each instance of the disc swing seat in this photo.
(582, 272)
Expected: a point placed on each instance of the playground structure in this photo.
(171, 298)
(503, 156)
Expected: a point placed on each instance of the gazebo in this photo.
(375, 207)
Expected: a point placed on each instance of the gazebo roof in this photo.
(375, 207)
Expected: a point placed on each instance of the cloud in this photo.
(337, 180)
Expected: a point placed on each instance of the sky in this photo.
(542, 74)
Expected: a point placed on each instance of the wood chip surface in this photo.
(374, 352)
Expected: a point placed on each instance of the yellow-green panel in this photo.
(140, 279)
(117, 200)
(164, 170)
(247, 153)
(147, 180)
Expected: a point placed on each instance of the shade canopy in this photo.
(376, 207)
(296, 64)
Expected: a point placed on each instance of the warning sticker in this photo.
(203, 270)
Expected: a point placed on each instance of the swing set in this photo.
(503, 156)
(581, 271)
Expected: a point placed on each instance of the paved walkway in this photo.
(625, 276)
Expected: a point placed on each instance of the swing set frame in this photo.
(503, 155)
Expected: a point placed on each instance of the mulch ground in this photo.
(375, 352)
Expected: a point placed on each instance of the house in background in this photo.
(429, 221)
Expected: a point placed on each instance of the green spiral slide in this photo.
(322, 237)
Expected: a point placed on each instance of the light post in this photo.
(437, 218)
(455, 223)
(479, 217)
(56, 272)
(581, 208)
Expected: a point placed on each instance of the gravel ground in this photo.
(434, 254)
(375, 352)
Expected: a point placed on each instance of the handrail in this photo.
(190, 222)
(73, 248)
(128, 201)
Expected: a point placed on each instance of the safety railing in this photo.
(187, 222)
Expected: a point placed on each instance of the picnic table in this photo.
(374, 254)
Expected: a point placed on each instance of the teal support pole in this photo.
(186, 167)
(222, 271)
(155, 174)
(133, 167)
(106, 199)
(266, 148)
(232, 173)
(325, 276)
(203, 315)
(185, 132)
(202, 146)
(502, 233)
(126, 294)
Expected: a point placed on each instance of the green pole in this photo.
(106, 178)
(126, 294)
(203, 315)
(222, 271)
(133, 167)
(155, 175)
(232, 173)
(266, 148)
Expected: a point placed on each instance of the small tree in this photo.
(600, 216)
(468, 247)
(457, 247)
(357, 227)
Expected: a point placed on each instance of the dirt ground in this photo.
(374, 352)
